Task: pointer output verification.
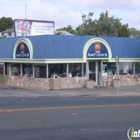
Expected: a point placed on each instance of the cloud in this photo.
(69, 12)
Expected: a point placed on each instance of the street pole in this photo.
(25, 10)
(117, 71)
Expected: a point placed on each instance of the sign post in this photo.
(117, 71)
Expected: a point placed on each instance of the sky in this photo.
(69, 12)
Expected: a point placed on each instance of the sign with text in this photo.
(97, 50)
(22, 51)
(33, 27)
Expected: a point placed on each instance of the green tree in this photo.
(68, 29)
(6, 23)
(88, 27)
(134, 32)
(104, 26)
(2, 37)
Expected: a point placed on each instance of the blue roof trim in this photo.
(62, 47)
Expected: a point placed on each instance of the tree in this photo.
(134, 32)
(88, 27)
(2, 37)
(6, 23)
(104, 26)
(68, 29)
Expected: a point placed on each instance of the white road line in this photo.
(77, 99)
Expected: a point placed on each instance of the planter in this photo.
(109, 83)
(116, 83)
(90, 84)
(55, 84)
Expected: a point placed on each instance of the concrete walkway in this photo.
(98, 91)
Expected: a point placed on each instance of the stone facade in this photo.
(74, 82)
(66, 83)
(28, 82)
(90, 84)
(46, 84)
(125, 80)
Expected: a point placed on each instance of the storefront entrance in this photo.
(95, 71)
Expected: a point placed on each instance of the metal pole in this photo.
(21, 70)
(33, 70)
(87, 69)
(117, 68)
(134, 68)
(9, 69)
(82, 69)
(25, 10)
(67, 70)
(101, 72)
(47, 71)
(96, 71)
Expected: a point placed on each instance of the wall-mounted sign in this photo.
(22, 51)
(97, 50)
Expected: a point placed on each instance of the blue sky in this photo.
(68, 12)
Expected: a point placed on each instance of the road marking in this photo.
(74, 114)
(66, 107)
(76, 99)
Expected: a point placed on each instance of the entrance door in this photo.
(95, 71)
(92, 70)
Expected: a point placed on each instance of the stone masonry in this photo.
(125, 80)
(28, 82)
(74, 82)
(67, 83)
(44, 84)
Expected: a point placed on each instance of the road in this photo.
(94, 118)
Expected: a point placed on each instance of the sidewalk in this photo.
(98, 91)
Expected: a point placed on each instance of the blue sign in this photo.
(22, 51)
(97, 50)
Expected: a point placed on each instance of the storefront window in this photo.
(109, 69)
(137, 68)
(1, 69)
(40, 71)
(75, 69)
(15, 69)
(27, 70)
(126, 68)
(59, 70)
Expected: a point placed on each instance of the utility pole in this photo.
(25, 10)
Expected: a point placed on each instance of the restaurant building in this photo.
(33, 61)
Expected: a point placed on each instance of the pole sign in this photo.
(117, 71)
(117, 65)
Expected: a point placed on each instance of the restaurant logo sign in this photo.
(22, 51)
(97, 50)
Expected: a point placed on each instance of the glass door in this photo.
(92, 70)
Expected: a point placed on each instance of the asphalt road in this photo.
(104, 118)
